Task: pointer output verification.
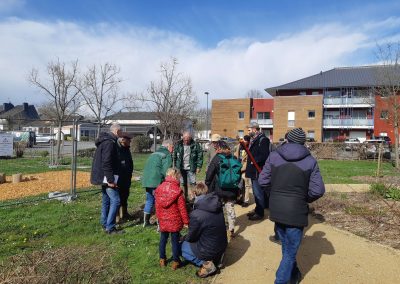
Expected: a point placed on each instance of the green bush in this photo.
(141, 143)
(44, 153)
(86, 153)
(67, 137)
(386, 191)
(84, 138)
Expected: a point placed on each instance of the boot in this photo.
(124, 213)
(175, 265)
(146, 220)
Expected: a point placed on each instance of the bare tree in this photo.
(388, 87)
(198, 117)
(254, 94)
(62, 91)
(172, 98)
(100, 91)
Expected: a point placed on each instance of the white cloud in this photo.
(228, 70)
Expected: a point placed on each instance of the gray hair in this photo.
(115, 127)
(187, 133)
(167, 142)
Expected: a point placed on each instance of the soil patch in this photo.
(364, 214)
(34, 184)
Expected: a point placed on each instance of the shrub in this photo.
(86, 153)
(385, 191)
(67, 137)
(19, 149)
(44, 153)
(84, 138)
(141, 143)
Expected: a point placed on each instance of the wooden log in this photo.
(2, 178)
(16, 178)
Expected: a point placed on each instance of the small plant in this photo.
(385, 191)
(44, 153)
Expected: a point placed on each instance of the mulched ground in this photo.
(34, 184)
(363, 214)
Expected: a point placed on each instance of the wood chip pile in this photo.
(34, 184)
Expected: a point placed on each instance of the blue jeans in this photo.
(174, 242)
(109, 207)
(291, 238)
(188, 254)
(259, 197)
(148, 206)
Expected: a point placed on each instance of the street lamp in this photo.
(206, 93)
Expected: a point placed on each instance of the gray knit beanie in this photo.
(296, 135)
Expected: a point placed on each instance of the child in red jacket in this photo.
(171, 214)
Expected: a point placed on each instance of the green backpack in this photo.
(229, 172)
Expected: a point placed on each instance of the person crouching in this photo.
(171, 214)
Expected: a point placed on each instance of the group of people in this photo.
(284, 180)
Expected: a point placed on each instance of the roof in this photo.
(26, 112)
(362, 76)
(133, 115)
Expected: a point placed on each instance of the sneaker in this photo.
(163, 262)
(175, 265)
(245, 204)
(275, 239)
(255, 217)
(115, 231)
(208, 268)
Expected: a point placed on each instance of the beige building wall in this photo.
(225, 116)
(301, 106)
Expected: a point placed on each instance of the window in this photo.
(241, 114)
(241, 133)
(315, 93)
(384, 114)
(291, 118)
(310, 134)
(263, 115)
(311, 114)
(302, 93)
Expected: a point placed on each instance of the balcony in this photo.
(354, 123)
(264, 123)
(348, 102)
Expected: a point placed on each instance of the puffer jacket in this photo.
(207, 230)
(105, 160)
(294, 180)
(170, 206)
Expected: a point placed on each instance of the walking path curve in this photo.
(327, 255)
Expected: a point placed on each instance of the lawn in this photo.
(48, 230)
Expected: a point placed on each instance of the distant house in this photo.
(15, 117)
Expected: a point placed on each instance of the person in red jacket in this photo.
(171, 214)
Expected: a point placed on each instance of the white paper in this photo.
(115, 179)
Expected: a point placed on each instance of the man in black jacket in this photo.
(259, 149)
(125, 173)
(105, 171)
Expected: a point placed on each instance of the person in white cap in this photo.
(212, 150)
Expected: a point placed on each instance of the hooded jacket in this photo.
(105, 160)
(156, 166)
(207, 230)
(170, 206)
(125, 166)
(259, 149)
(292, 175)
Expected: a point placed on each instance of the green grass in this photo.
(341, 172)
(51, 224)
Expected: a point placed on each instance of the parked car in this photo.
(386, 139)
(351, 144)
(370, 149)
(26, 137)
(45, 139)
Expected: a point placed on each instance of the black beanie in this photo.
(296, 135)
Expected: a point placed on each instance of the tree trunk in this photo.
(396, 145)
(16, 178)
(98, 130)
(58, 144)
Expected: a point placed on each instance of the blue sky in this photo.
(226, 47)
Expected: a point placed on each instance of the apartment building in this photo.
(263, 113)
(347, 109)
